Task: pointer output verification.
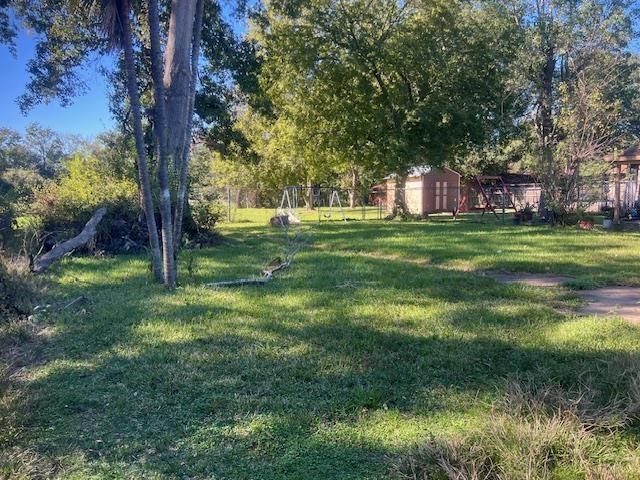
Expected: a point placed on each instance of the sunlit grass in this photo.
(381, 334)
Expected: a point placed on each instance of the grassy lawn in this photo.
(380, 335)
(324, 214)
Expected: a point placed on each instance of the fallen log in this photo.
(40, 264)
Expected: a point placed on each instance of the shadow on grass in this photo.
(316, 375)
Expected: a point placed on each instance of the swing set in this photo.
(324, 199)
(495, 195)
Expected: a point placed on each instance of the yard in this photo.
(380, 335)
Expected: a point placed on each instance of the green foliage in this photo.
(41, 149)
(24, 183)
(12, 151)
(582, 81)
(206, 215)
(7, 211)
(63, 206)
(7, 26)
(69, 35)
(382, 84)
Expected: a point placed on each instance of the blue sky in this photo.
(88, 115)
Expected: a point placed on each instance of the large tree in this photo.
(46, 145)
(583, 84)
(385, 84)
(119, 28)
(72, 32)
(160, 116)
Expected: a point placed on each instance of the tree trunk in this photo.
(309, 199)
(616, 200)
(399, 196)
(186, 146)
(160, 125)
(143, 169)
(545, 122)
(354, 187)
(177, 74)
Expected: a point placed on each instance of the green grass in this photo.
(381, 334)
(262, 215)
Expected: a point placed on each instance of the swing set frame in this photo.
(491, 187)
(292, 194)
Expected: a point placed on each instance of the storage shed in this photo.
(427, 190)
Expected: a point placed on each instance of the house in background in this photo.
(427, 190)
(626, 187)
(628, 160)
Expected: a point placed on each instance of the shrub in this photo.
(62, 207)
(7, 211)
(206, 215)
(24, 182)
(199, 225)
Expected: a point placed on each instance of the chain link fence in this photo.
(326, 203)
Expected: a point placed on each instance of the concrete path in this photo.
(621, 302)
(613, 301)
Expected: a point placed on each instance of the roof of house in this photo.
(628, 155)
(632, 153)
(518, 178)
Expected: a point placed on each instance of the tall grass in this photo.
(19, 293)
(541, 433)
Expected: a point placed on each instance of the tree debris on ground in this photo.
(39, 265)
(295, 243)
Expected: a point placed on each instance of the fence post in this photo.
(616, 206)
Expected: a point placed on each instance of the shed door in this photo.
(441, 200)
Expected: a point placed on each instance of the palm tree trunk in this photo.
(143, 169)
(186, 148)
(160, 125)
(177, 74)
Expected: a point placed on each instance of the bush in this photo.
(24, 182)
(7, 211)
(206, 215)
(200, 222)
(62, 207)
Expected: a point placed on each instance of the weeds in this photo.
(19, 293)
(539, 433)
(18, 288)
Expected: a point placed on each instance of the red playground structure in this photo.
(494, 192)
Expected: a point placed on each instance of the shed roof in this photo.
(419, 171)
